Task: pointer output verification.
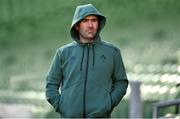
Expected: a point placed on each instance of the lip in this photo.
(90, 30)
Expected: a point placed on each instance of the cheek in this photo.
(82, 25)
(96, 26)
(82, 32)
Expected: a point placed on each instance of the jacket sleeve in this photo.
(120, 81)
(53, 80)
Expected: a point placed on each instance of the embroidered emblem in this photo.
(103, 58)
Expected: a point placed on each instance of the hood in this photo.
(81, 12)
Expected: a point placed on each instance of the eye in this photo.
(94, 20)
(84, 20)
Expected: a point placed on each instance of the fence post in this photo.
(155, 112)
(135, 106)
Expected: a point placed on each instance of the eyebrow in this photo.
(90, 18)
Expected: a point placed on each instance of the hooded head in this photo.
(83, 11)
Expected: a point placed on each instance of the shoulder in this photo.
(110, 45)
(67, 47)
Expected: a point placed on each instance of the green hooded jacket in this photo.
(86, 79)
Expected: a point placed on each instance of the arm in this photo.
(53, 81)
(120, 81)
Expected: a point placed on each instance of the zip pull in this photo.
(88, 45)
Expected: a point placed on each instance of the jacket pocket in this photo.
(111, 101)
(60, 103)
(98, 101)
(70, 104)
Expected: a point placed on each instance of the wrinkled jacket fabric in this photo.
(86, 80)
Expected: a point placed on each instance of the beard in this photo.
(87, 34)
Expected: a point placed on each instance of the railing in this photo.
(154, 86)
(164, 104)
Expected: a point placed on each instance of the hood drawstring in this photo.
(93, 60)
(93, 53)
(82, 59)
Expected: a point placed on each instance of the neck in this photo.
(86, 41)
(83, 40)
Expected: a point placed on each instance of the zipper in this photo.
(85, 82)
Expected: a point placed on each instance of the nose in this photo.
(90, 24)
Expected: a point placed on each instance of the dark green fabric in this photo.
(106, 82)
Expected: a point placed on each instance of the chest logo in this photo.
(103, 58)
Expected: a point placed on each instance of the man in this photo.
(89, 72)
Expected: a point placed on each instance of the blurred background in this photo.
(146, 31)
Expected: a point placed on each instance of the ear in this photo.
(76, 27)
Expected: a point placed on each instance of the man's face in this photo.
(88, 28)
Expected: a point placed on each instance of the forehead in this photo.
(91, 17)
